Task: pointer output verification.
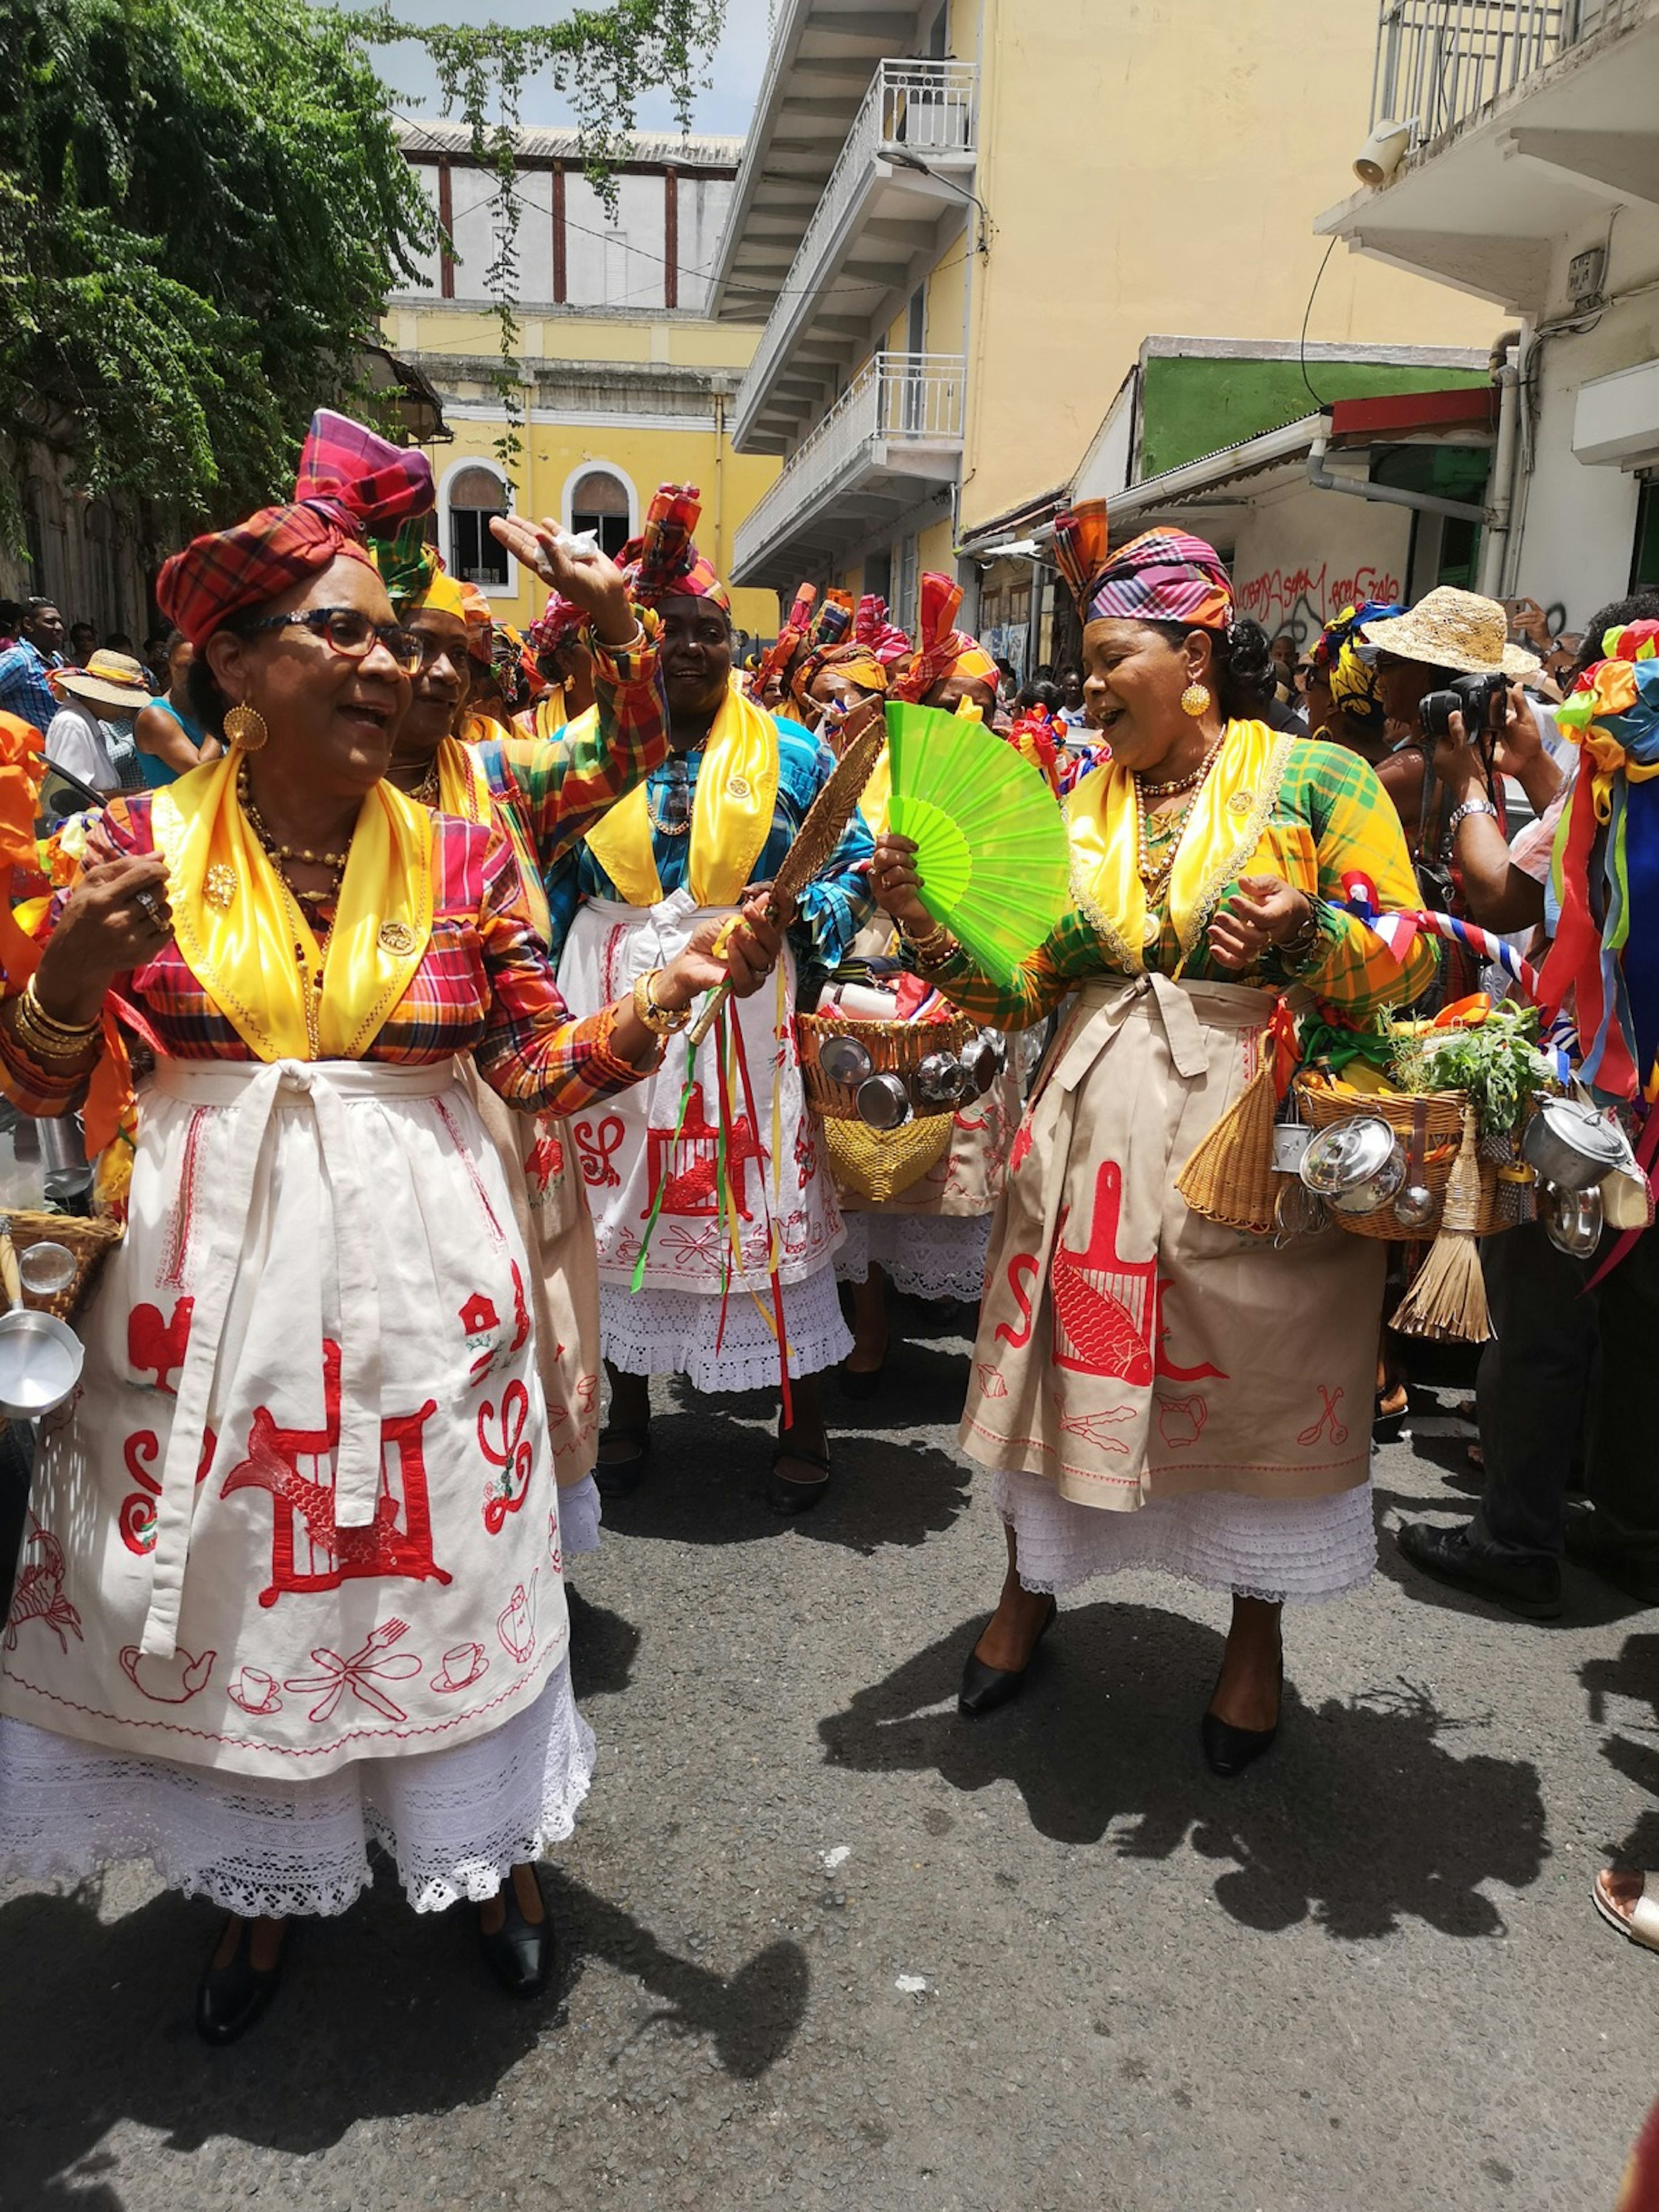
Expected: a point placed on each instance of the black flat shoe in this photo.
(520, 1953)
(1586, 1547)
(1229, 1750)
(616, 1478)
(863, 1383)
(232, 1997)
(789, 1498)
(984, 1688)
(1531, 1587)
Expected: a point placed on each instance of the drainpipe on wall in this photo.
(1422, 503)
(720, 481)
(1495, 542)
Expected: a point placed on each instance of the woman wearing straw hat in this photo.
(1153, 1388)
(90, 736)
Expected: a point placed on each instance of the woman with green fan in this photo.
(1154, 1389)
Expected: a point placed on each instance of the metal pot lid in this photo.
(1584, 1129)
(1346, 1155)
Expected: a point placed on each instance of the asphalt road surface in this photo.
(828, 1945)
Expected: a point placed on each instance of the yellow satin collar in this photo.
(732, 811)
(464, 790)
(1223, 839)
(247, 941)
(876, 800)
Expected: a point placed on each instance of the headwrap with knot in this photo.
(350, 482)
(942, 649)
(561, 618)
(1163, 576)
(856, 662)
(662, 561)
(776, 663)
(480, 623)
(1355, 687)
(872, 626)
(1606, 867)
(414, 573)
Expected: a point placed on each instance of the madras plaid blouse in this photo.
(485, 986)
(1334, 819)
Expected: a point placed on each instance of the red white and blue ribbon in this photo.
(1399, 931)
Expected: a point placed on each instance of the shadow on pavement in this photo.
(382, 2013)
(603, 1645)
(1588, 1601)
(1359, 1817)
(1633, 1674)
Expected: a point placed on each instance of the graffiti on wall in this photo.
(1302, 600)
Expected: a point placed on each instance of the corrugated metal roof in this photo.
(450, 135)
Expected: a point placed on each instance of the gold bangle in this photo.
(79, 1030)
(46, 1039)
(661, 1021)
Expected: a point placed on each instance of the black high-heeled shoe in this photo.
(1229, 1750)
(520, 1953)
(231, 1998)
(984, 1688)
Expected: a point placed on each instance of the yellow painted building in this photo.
(957, 223)
(624, 381)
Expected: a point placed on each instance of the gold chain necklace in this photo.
(1155, 874)
(279, 855)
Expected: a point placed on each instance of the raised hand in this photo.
(116, 918)
(589, 579)
(895, 884)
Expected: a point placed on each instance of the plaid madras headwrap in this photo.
(942, 649)
(662, 561)
(1163, 576)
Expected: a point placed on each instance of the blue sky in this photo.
(725, 106)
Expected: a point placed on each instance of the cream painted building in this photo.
(957, 220)
(623, 382)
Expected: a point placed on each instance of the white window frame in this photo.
(510, 589)
(599, 466)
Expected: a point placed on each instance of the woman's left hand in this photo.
(750, 955)
(1263, 911)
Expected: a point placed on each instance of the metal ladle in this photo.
(1414, 1208)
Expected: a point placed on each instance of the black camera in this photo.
(1477, 699)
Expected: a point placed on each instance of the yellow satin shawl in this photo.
(247, 940)
(876, 800)
(732, 811)
(1225, 836)
(464, 791)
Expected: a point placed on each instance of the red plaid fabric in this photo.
(351, 482)
(941, 648)
(779, 658)
(875, 628)
(1163, 576)
(662, 561)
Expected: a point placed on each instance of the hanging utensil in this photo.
(1414, 1204)
(40, 1357)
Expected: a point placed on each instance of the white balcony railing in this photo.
(1439, 62)
(927, 109)
(898, 406)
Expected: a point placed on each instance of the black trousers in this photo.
(1569, 1368)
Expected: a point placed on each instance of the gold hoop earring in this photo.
(244, 726)
(1194, 701)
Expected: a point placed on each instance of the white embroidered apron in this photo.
(302, 1509)
(628, 1148)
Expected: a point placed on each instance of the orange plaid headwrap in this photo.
(942, 650)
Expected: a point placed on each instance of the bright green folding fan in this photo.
(990, 838)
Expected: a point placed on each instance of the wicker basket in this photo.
(894, 1048)
(90, 1238)
(1323, 1104)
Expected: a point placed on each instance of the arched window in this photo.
(599, 502)
(476, 493)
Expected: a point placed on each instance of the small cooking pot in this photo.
(984, 1061)
(1574, 1146)
(844, 1059)
(883, 1102)
(1572, 1218)
(938, 1080)
(1355, 1166)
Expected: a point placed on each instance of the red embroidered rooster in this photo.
(156, 1348)
(1098, 1333)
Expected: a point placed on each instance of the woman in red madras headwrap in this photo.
(948, 666)
(292, 1577)
(1154, 1389)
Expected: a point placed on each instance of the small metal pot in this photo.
(844, 1059)
(938, 1081)
(1355, 1166)
(1574, 1146)
(41, 1361)
(984, 1060)
(883, 1103)
(1572, 1219)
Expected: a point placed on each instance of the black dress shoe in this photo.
(1611, 1561)
(984, 1688)
(520, 1953)
(1531, 1587)
(232, 1997)
(1229, 1750)
(862, 1383)
(789, 1498)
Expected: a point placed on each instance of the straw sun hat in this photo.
(1449, 629)
(109, 679)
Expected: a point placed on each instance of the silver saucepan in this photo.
(40, 1357)
(1573, 1146)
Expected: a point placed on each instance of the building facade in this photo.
(622, 380)
(956, 221)
(1526, 144)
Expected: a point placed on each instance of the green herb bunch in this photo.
(1498, 1064)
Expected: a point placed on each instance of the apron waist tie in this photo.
(250, 1092)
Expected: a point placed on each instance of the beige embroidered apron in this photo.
(1128, 1349)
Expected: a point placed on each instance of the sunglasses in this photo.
(348, 632)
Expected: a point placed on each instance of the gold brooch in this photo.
(219, 886)
(397, 939)
(736, 786)
(1240, 802)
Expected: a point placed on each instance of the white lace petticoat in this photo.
(454, 1821)
(674, 1333)
(926, 1256)
(1293, 1550)
(580, 1515)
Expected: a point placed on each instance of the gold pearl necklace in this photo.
(1155, 874)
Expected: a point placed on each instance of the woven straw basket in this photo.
(878, 1163)
(90, 1240)
(894, 1048)
(1322, 1105)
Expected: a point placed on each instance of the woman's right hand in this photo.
(591, 579)
(117, 918)
(895, 884)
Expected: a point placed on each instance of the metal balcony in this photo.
(901, 183)
(1440, 61)
(895, 430)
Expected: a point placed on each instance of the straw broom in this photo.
(1448, 1301)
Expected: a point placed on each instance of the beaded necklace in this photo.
(1155, 870)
